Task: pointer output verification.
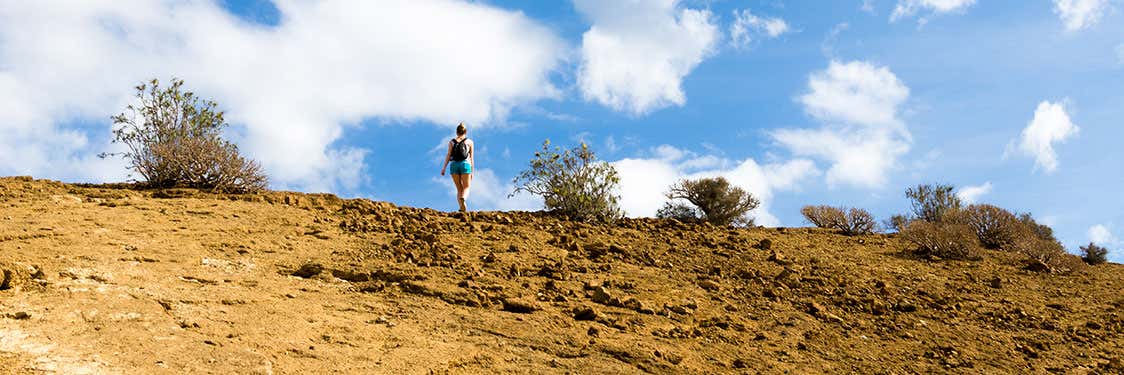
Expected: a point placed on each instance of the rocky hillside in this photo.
(105, 279)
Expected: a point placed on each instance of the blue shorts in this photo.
(460, 167)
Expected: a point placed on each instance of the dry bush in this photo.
(719, 202)
(175, 140)
(1037, 242)
(1047, 256)
(931, 202)
(823, 216)
(944, 240)
(573, 182)
(851, 221)
(995, 227)
(1093, 254)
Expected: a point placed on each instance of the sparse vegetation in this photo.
(1093, 254)
(174, 139)
(943, 240)
(931, 202)
(572, 182)
(719, 202)
(853, 221)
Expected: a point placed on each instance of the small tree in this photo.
(175, 140)
(719, 202)
(930, 202)
(1093, 254)
(572, 182)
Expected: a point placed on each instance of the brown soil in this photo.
(103, 279)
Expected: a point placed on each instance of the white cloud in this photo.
(489, 192)
(1080, 14)
(636, 53)
(972, 194)
(291, 90)
(1050, 125)
(908, 8)
(863, 137)
(1100, 235)
(867, 6)
(747, 27)
(645, 180)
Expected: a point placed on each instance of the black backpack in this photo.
(460, 150)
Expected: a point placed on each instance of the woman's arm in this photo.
(448, 154)
(472, 156)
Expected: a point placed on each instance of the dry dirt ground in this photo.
(105, 279)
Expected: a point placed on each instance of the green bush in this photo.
(943, 240)
(1093, 254)
(719, 202)
(174, 139)
(572, 182)
(851, 221)
(931, 202)
(679, 211)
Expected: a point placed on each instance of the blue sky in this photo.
(800, 102)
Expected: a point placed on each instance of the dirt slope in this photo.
(110, 280)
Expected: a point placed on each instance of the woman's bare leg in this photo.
(460, 190)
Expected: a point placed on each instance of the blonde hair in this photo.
(461, 130)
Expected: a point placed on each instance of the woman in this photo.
(460, 160)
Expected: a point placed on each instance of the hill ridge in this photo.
(111, 279)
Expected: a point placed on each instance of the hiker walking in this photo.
(459, 159)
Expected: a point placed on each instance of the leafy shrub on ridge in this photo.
(1093, 254)
(719, 202)
(174, 139)
(573, 182)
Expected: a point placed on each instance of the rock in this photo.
(632, 304)
(997, 283)
(585, 313)
(601, 295)
(308, 270)
(679, 309)
(521, 305)
(22, 315)
(739, 363)
(709, 285)
(778, 258)
(765, 244)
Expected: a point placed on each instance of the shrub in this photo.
(719, 202)
(931, 202)
(851, 221)
(679, 211)
(1039, 230)
(896, 223)
(995, 227)
(822, 216)
(1093, 254)
(572, 182)
(174, 139)
(944, 240)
